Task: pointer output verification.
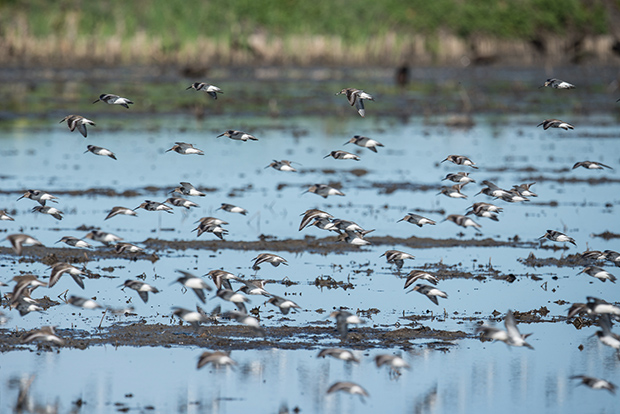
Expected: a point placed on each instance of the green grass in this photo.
(354, 21)
(176, 25)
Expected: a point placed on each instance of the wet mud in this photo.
(309, 244)
(240, 337)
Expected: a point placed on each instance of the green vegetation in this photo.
(172, 26)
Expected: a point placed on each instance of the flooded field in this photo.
(144, 360)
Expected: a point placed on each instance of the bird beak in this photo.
(189, 87)
(348, 142)
(267, 167)
(307, 191)
(221, 135)
(21, 197)
(327, 156)
(85, 152)
(402, 219)
(96, 101)
(445, 160)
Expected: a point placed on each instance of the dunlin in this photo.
(19, 240)
(324, 224)
(218, 231)
(343, 319)
(61, 268)
(187, 189)
(492, 190)
(235, 297)
(194, 318)
(184, 148)
(484, 210)
(74, 242)
(599, 273)
(284, 304)
(453, 191)
(100, 151)
(513, 196)
(350, 226)
(606, 336)
(222, 278)
(232, 209)
(591, 165)
(356, 97)
(338, 353)
(46, 334)
(52, 211)
(459, 178)
(350, 387)
(416, 275)
(120, 210)
(556, 236)
(555, 123)
(40, 196)
(254, 287)
(213, 221)
(181, 202)
(397, 257)
(274, 259)
(393, 361)
(238, 135)
(416, 219)
(312, 214)
(195, 283)
(460, 160)
(594, 306)
(127, 248)
(596, 383)
(613, 257)
(462, 221)
(149, 205)
(103, 237)
(142, 288)
(524, 190)
(557, 84)
(5, 216)
(114, 100)
(593, 255)
(283, 165)
(83, 303)
(364, 142)
(354, 238)
(79, 122)
(342, 155)
(217, 359)
(430, 292)
(511, 336)
(245, 319)
(323, 190)
(205, 87)
(23, 285)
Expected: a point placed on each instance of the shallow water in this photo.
(402, 177)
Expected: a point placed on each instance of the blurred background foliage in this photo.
(169, 26)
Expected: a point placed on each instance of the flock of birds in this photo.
(348, 231)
